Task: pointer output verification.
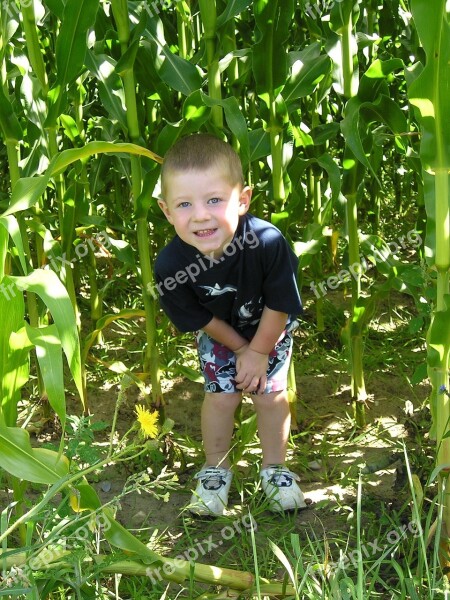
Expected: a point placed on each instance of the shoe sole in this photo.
(279, 509)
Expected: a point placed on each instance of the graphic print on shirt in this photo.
(250, 309)
(217, 290)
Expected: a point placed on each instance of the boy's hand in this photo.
(251, 370)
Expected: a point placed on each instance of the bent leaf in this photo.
(49, 288)
(37, 465)
(49, 355)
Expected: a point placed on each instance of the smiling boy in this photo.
(242, 302)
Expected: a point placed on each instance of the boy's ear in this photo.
(163, 206)
(244, 200)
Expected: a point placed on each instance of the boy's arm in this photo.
(223, 333)
(270, 327)
(251, 364)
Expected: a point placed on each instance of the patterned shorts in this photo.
(218, 364)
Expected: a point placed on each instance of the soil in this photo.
(327, 450)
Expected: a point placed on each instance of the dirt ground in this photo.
(327, 453)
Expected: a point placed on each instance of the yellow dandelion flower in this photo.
(147, 420)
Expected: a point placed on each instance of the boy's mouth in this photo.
(205, 232)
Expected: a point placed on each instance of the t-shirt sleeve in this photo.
(179, 301)
(280, 274)
(183, 309)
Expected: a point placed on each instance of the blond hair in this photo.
(201, 151)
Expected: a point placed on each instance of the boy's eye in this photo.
(183, 204)
(213, 200)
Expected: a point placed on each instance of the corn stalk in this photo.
(429, 92)
(151, 359)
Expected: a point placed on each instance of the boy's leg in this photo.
(214, 479)
(218, 365)
(274, 422)
(277, 481)
(217, 427)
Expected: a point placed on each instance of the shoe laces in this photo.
(281, 476)
(212, 478)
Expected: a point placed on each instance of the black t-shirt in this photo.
(258, 269)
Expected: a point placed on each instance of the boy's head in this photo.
(203, 192)
(200, 152)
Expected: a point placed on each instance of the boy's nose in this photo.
(201, 213)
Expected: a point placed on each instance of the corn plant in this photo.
(93, 93)
(428, 91)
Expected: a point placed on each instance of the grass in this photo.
(359, 539)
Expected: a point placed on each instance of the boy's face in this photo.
(204, 207)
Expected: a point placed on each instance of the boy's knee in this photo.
(223, 400)
(270, 400)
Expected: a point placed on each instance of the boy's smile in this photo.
(204, 207)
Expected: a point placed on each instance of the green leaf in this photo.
(360, 115)
(37, 465)
(334, 175)
(191, 374)
(233, 8)
(13, 360)
(438, 338)
(273, 20)
(178, 73)
(54, 295)
(127, 313)
(56, 7)
(195, 110)
(110, 86)
(49, 355)
(123, 251)
(259, 141)
(79, 16)
(420, 374)
(235, 121)
(28, 190)
(84, 497)
(308, 67)
(12, 227)
(127, 60)
(429, 92)
(120, 537)
(9, 124)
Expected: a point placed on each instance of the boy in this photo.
(231, 277)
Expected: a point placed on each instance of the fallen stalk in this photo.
(182, 570)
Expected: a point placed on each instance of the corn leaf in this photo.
(79, 16)
(28, 190)
(49, 288)
(37, 465)
(49, 355)
(429, 92)
(11, 225)
(120, 537)
(9, 124)
(235, 121)
(232, 9)
(110, 87)
(128, 313)
(273, 20)
(307, 68)
(13, 360)
(178, 73)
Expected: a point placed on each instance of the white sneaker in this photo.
(211, 494)
(281, 489)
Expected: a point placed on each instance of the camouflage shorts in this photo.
(218, 364)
